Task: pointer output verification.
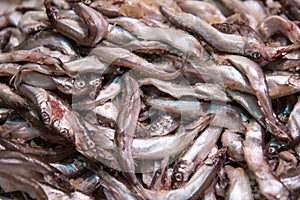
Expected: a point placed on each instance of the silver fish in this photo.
(269, 185)
(239, 184)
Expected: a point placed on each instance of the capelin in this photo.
(9, 98)
(34, 166)
(256, 51)
(269, 185)
(258, 84)
(88, 30)
(239, 183)
(274, 24)
(30, 56)
(223, 42)
(239, 28)
(181, 173)
(55, 113)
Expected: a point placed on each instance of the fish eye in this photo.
(96, 83)
(224, 28)
(272, 150)
(80, 84)
(178, 177)
(256, 55)
(64, 132)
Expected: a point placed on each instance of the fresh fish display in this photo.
(150, 100)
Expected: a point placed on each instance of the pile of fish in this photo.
(132, 99)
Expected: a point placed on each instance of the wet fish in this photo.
(193, 109)
(233, 142)
(275, 24)
(93, 25)
(204, 91)
(185, 43)
(186, 164)
(239, 184)
(258, 84)
(9, 98)
(123, 57)
(151, 148)
(269, 185)
(220, 41)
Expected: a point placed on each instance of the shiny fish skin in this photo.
(52, 155)
(201, 91)
(274, 24)
(197, 184)
(95, 23)
(106, 93)
(224, 75)
(291, 181)
(85, 142)
(57, 116)
(128, 115)
(195, 154)
(163, 125)
(13, 183)
(233, 142)
(81, 84)
(257, 81)
(5, 113)
(118, 35)
(14, 38)
(146, 100)
(149, 47)
(123, 57)
(189, 46)
(222, 42)
(52, 40)
(89, 185)
(36, 79)
(33, 165)
(204, 10)
(249, 102)
(290, 9)
(150, 148)
(30, 56)
(269, 185)
(283, 65)
(239, 184)
(191, 109)
(53, 193)
(238, 29)
(16, 70)
(282, 84)
(70, 169)
(125, 130)
(86, 64)
(117, 189)
(8, 98)
(53, 112)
